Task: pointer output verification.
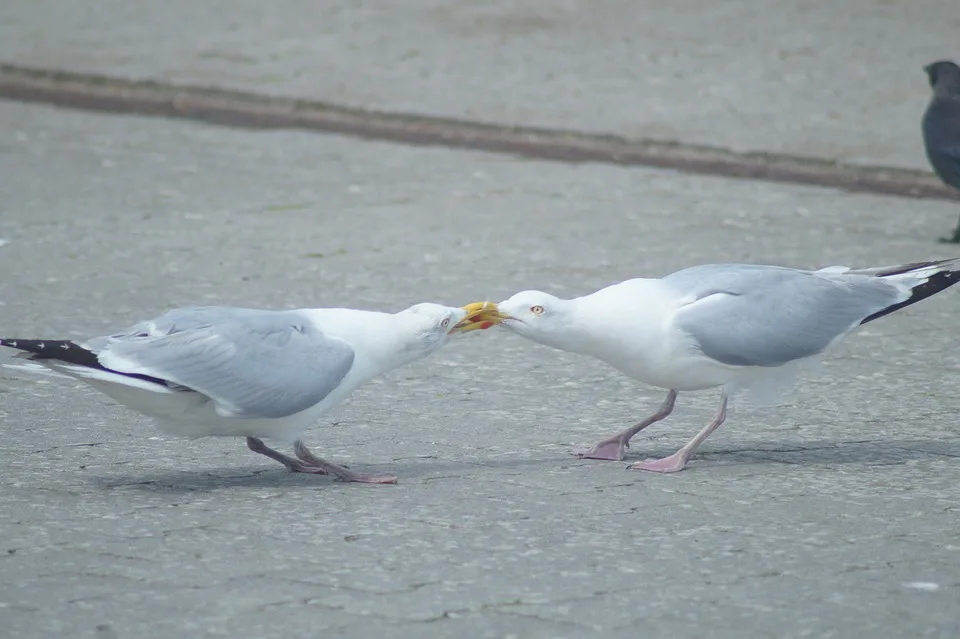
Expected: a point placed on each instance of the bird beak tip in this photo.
(479, 316)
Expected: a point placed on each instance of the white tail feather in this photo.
(54, 368)
(36, 369)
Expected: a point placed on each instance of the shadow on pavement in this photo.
(424, 470)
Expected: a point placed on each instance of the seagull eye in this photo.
(536, 310)
(445, 323)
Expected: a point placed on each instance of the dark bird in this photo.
(941, 127)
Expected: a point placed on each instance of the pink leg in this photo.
(295, 465)
(677, 461)
(614, 447)
(342, 473)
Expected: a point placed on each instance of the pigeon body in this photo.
(941, 127)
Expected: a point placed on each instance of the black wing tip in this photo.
(935, 283)
(64, 350)
(900, 269)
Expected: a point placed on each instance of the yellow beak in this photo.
(480, 316)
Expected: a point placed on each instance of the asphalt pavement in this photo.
(830, 514)
(841, 80)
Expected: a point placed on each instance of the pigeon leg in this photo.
(952, 240)
(343, 473)
(295, 465)
(614, 447)
(677, 461)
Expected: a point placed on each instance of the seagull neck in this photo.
(576, 334)
(617, 322)
(378, 339)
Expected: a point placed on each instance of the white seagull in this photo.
(237, 372)
(730, 325)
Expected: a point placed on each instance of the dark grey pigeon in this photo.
(941, 126)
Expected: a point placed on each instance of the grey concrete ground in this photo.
(841, 80)
(833, 514)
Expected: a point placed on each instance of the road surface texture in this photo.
(833, 513)
(841, 80)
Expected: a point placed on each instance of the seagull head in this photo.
(536, 315)
(431, 324)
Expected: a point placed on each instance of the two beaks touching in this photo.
(480, 316)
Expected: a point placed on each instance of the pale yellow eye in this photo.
(536, 310)
(445, 323)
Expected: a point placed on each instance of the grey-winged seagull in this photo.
(729, 325)
(219, 371)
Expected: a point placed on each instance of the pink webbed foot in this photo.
(341, 472)
(368, 479)
(613, 449)
(293, 465)
(672, 464)
(678, 461)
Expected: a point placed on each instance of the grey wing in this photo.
(767, 316)
(174, 321)
(252, 364)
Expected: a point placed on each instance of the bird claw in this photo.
(306, 468)
(368, 479)
(672, 464)
(609, 450)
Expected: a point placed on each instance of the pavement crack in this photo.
(77, 445)
(532, 615)
(367, 591)
(447, 614)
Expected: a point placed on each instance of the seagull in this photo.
(736, 326)
(238, 372)
(941, 126)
